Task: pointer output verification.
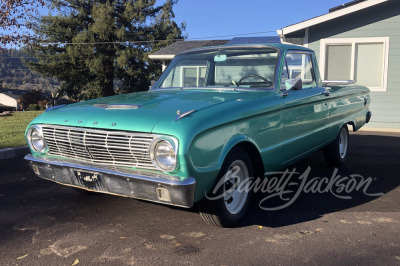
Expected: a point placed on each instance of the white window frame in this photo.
(353, 42)
(198, 73)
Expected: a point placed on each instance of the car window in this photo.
(299, 65)
(230, 67)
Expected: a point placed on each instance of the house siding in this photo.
(8, 101)
(379, 21)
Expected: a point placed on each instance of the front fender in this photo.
(208, 152)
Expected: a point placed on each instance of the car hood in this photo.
(138, 111)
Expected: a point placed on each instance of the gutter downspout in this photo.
(306, 34)
(281, 36)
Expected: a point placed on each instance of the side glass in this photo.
(300, 66)
(284, 77)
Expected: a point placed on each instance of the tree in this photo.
(32, 97)
(92, 44)
(14, 15)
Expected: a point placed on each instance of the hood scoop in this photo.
(116, 106)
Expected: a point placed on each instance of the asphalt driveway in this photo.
(43, 223)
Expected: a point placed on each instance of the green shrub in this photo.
(42, 105)
(32, 97)
(33, 107)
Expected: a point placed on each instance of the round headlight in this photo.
(36, 139)
(163, 154)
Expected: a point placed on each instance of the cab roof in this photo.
(280, 46)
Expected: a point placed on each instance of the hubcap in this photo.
(343, 141)
(233, 198)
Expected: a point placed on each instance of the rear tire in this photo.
(226, 204)
(336, 153)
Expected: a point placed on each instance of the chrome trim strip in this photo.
(182, 115)
(102, 131)
(220, 47)
(235, 89)
(338, 82)
(116, 106)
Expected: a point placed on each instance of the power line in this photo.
(152, 41)
(133, 42)
(96, 43)
(60, 55)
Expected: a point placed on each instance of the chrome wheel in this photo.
(343, 143)
(235, 198)
(227, 202)
(336, 152)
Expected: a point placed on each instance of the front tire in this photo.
(228, 201)
(336, 153)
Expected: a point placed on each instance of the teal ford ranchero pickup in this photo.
(242, 109)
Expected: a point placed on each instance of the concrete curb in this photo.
(390, 130)
(10, 153)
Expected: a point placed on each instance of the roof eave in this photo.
(329, 16)
(10, 97)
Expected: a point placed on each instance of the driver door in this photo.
(305, 111)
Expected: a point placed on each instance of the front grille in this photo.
(99, 147)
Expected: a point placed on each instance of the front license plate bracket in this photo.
(89, 180)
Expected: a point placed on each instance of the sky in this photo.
(215, 19)
(210, 18)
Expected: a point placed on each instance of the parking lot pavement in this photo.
(43, 223)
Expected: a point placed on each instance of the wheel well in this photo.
(255, 157)
(351, 123)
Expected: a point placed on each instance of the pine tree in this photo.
(91, 45)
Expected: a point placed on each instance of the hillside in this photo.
(14, 75)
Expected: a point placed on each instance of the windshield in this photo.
(235, 67)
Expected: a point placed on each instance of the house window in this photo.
(193, 76)
(364, 60)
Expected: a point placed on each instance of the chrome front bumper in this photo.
(153, 187)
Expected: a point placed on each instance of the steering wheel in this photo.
(254, 76)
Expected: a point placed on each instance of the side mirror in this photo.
(152, 82)
(294, 84)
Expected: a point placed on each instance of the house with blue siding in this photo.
(359, 41)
